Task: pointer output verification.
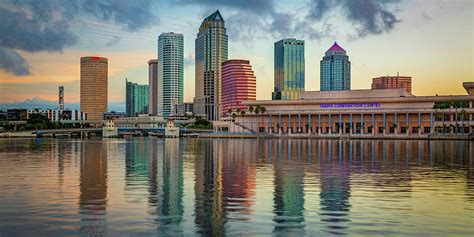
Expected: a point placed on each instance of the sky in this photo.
(41, 42)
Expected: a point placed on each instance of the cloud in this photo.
(254, 6)
(368, 16)
(115, 40)
(246, 20)
(12, 62)
(34, 26)
(251, 19)
(33, 34)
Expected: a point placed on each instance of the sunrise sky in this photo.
(41, 42)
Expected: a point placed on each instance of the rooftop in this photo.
(216, 16)
(336, 48)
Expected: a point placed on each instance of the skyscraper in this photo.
(153, 87)
(211, 50)
(335, 70)
(392, 82)
(61, 98)
(289, 69)
(94, 86)
(170, 72)
(136, 99)
(238, 83)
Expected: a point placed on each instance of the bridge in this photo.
(87, 132)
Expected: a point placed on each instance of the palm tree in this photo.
(463, 117)
(257, 111)
(251, 109)
(263, 110)
(229, 111)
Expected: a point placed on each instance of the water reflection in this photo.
(185, 187)
(170, 207)
(289, 190)
(154, 170)
(93, 189)
(209, 210)
(335, 187)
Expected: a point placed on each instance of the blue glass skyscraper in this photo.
(289, 69)
(170, 72)
(136, 98)
(335, 70)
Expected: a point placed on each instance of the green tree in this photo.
(38, 121)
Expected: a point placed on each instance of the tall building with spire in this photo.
(170, 72)
(211, 51)
(335, 70)
(289, 69)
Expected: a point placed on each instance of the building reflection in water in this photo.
(225, 182)
(93, 189)
(137, 173)
(209, 212)
(170, 206)
(156, 167)
(238, 178)
(335, 186)
(289, 190)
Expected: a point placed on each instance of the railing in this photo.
(244, 127)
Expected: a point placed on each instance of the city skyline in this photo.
(129, 47)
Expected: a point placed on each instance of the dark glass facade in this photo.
(289, 69)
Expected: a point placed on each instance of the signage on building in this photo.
(349, 106)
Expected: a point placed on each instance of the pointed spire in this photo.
(216, 16)
(335, 48)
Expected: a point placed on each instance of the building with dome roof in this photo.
(335, 70)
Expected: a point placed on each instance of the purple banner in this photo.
(349, 106)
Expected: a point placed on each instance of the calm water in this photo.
(149, 186)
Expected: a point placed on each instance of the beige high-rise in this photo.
(94, 86)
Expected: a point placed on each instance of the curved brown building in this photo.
(94, 84)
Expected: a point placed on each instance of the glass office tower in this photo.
(170, 72)
(211, 51)
(289, 69)
(136, 99)
(335, 70)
